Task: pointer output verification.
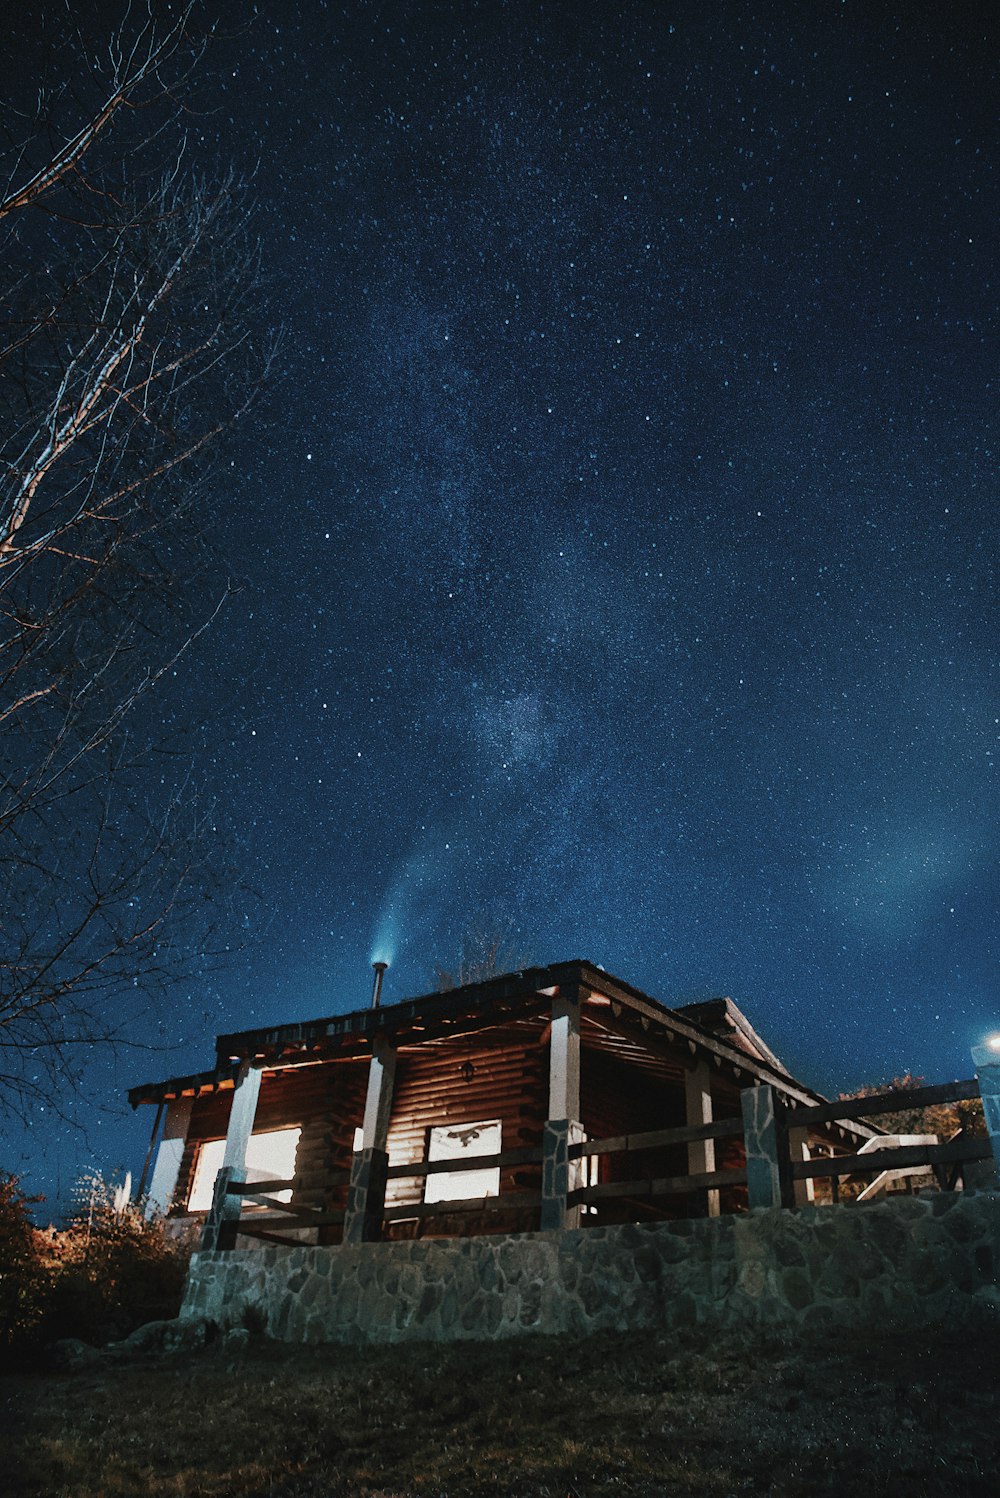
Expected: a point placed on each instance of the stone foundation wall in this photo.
(913, 1259)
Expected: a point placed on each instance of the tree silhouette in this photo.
(124, 353)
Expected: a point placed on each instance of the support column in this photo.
(366, 1192)
(223, 1219)
(803, 1192)
(560, 1175)
(698, 1110)
(169, 1156)
(986, 1060)
(765, 1136)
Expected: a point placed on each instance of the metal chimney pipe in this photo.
(379, 968)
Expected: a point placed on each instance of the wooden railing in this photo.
(769, 1175)
(653, 1186)
(427, 1211)
(772, 1171)
(285, 1215)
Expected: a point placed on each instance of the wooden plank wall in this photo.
(509, 1081)
(325, 1101)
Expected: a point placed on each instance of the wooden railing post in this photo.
(223, 1219)
(766, 1139)
(986, 1060)
(803, 1193)
(366, 1192)
(560, 1174)
(698, 1108)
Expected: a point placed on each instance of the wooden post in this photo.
(223, 1219)
(560, 1175)
(698, 1109)
(169, 1156)
(366, 1192)
(140, 1190)
(803, 1193)
(986, 1060)
(768, 1176)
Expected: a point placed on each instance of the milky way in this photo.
(617, 539)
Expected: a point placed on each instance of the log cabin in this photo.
(554, 1097)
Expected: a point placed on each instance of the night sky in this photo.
(617, 538)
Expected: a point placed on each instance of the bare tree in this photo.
(123, 355)
(487, 950)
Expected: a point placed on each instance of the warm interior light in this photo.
(270, 1157)
(993, 1041)
(452, 1143)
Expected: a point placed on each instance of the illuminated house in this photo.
(503, 1106)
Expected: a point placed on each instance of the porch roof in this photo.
(633, 1022)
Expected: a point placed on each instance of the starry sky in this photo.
(617, 537)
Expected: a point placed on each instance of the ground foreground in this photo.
(887, 1414)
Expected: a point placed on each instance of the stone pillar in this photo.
(560, 1175)
(765, 1136)
(803, 1193)
(986, 1060)
(366, 1192)
(698, 1110)
(168, 1156)
(223, 1219)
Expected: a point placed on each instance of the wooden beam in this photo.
(698, 1111)
(424, 1210)
(803, 1193)
(169, 1155)
(370, 1164)
(530, 1155)
(223, 1219)
(723, 1128)
(378, 1100)
(875, 1161)
(564, 1057)
(242, 1112)
(560, 1174)
(662, 1186)
(141, 1188)
(848, 1109)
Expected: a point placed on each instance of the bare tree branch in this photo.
(125, 354)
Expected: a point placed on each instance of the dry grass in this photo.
(902, 1416)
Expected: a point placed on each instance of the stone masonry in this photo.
(908, 1260)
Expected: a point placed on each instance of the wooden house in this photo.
(553, 1097)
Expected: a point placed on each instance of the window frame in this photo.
(435, 1185)
(253, 1171)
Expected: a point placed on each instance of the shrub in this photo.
(112, 1268)
(108, 1271)
(23, 1280)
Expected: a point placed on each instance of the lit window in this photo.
(270, 1157)
(589, 1176)
(464, 1141)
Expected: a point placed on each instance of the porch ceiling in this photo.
(617, 1018)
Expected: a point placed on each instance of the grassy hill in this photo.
(899, 1415)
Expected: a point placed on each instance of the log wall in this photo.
(508, 1081)
(326, 1102)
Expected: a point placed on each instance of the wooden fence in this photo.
(769, 1175)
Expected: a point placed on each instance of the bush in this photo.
(23, 1279)
(108, 1271)
(942, 1119)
